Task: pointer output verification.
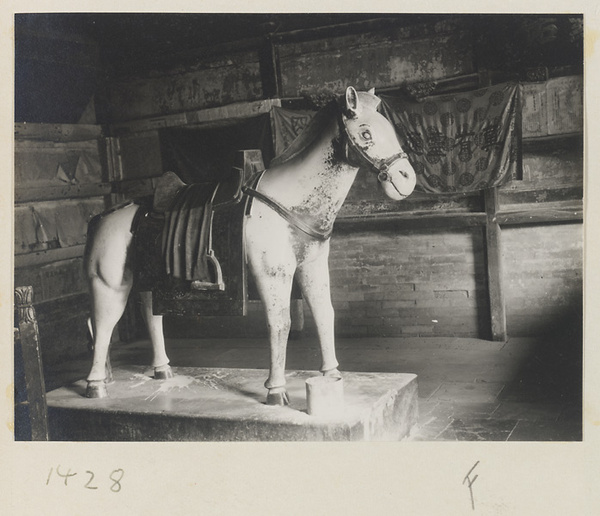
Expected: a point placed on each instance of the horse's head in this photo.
(373, 138)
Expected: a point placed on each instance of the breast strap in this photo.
(288, 215)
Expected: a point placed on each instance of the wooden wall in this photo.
(419, 267)
(60, 181)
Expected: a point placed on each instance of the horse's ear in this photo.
(352, 104)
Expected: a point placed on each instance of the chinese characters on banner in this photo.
(460, 142)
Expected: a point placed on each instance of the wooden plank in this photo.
(48, 193)
(494, 266)
(524, 195)
(28, 339)
(48, 256)
(57, 132)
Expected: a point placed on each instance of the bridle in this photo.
(379, 166)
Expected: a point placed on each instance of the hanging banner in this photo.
(461, 142)
(287, 125)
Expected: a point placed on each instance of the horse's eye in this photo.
(366, 135)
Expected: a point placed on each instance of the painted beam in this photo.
(202, 116)
(421, 220)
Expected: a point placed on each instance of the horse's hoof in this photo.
(96, 389)
(163, 372)
(278, 398)
(332, 373)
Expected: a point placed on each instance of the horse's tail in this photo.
(91, 232)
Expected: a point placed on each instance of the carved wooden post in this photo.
(494, 266)
(28, 338)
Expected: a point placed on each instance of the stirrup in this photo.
(207, 285)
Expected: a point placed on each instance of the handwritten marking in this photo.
(470, 483)
(116, 476)
(87, 485)
(65, 476)
(116, 487)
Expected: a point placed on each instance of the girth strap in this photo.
(291, 217)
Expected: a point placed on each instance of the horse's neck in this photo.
(315, 183)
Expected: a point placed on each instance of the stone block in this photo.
(210, 404)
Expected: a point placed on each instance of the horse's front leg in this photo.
(313, 277)
(274, 285)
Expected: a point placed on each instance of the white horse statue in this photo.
(287, 234)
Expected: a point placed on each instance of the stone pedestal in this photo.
(211, 404)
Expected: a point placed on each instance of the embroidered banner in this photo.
(460, 142)
(288, 125)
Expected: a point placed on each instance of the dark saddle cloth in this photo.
(186, 234)
(188, 243)
(172, 246)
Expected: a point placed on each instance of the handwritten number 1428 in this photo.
(115, 478)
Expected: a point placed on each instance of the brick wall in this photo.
(409, 283)
(386, 283)
(543, 277)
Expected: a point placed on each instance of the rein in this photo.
(379, 166)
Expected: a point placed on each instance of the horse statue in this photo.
(287, 235)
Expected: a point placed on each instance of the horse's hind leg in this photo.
(108, 307)
(162, 369)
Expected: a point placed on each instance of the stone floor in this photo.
(525, 389)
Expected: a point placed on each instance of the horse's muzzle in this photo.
(398, 179)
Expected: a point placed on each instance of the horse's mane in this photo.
(313, 129)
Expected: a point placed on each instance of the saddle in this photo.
(188, 242)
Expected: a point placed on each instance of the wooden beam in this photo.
(494, 266)
(572, 212)
(200, 117)
(526, 193)
(49, 193)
